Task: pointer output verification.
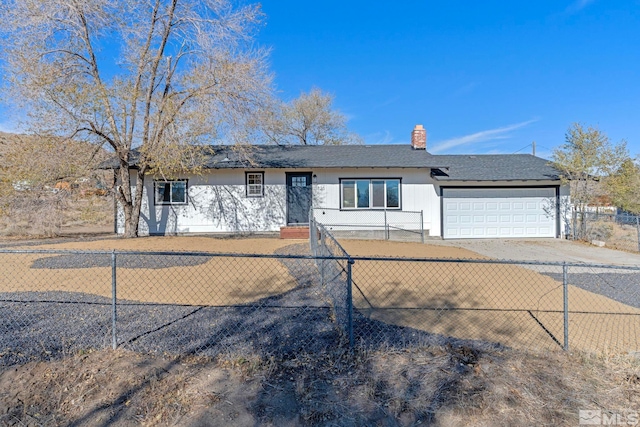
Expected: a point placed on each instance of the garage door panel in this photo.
(513, 212)
(478, 231)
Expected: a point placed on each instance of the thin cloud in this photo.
(464, 89)
(386, 103)
(378, 138)
(478, 137)
(578, 5)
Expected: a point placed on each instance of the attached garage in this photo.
(476, 213)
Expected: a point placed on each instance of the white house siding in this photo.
(416, 191)
(217, 203)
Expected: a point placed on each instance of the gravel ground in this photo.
(88, 260)
(45, 325)
(621, 287)
(48, 325)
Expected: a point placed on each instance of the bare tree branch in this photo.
(185, 71)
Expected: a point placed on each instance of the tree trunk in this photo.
(128, 204)
(129, 230)
(137, 202)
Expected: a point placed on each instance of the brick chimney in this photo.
(419, 138)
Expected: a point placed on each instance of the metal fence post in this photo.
(386, 227)
(323, 253)
(350, 263)
(114, 338)
(565, 298)
(638, 231)
(422, 225)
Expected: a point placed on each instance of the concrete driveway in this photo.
(556, 250)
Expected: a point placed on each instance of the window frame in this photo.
(170, 182)
(247, 185)
(371, 196)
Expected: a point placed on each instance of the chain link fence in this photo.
(54, 303)
(335, 269)
(508, 303)
(617, 231)
(372, 224)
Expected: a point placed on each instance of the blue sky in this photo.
(482, 77)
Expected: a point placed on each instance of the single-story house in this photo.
(353, 186)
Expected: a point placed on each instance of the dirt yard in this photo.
(163, 279)
(509, 304)
(435, 385)
(204, 281)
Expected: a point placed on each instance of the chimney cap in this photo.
(418, 127)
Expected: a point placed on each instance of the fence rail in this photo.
(377, 224)
(53, 303)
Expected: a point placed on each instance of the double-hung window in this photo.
(170, 192)
(370, 193)
(255, 184)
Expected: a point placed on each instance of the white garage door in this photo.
(476, 213)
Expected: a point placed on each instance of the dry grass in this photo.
(623, 237)
(443, 386)
(89, 214)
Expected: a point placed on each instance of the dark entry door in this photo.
(298, 197)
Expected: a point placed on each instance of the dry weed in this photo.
(452, 385)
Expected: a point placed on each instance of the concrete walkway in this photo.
(556, 250)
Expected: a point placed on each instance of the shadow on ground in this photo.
(307, 375)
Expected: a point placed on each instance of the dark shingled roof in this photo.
(499, 167)
(322, 156)
(495, 167)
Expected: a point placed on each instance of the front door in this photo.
(298, 197)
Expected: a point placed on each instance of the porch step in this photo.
(294, 232)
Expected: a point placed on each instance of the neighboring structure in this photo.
(269, 186)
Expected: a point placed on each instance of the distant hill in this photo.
(47, 183)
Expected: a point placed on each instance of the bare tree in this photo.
(624, 186)
(152, 77)
(587, 157)
(308, 120)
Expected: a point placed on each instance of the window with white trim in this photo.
(255, 184)
(370, 193)
(170, 192)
